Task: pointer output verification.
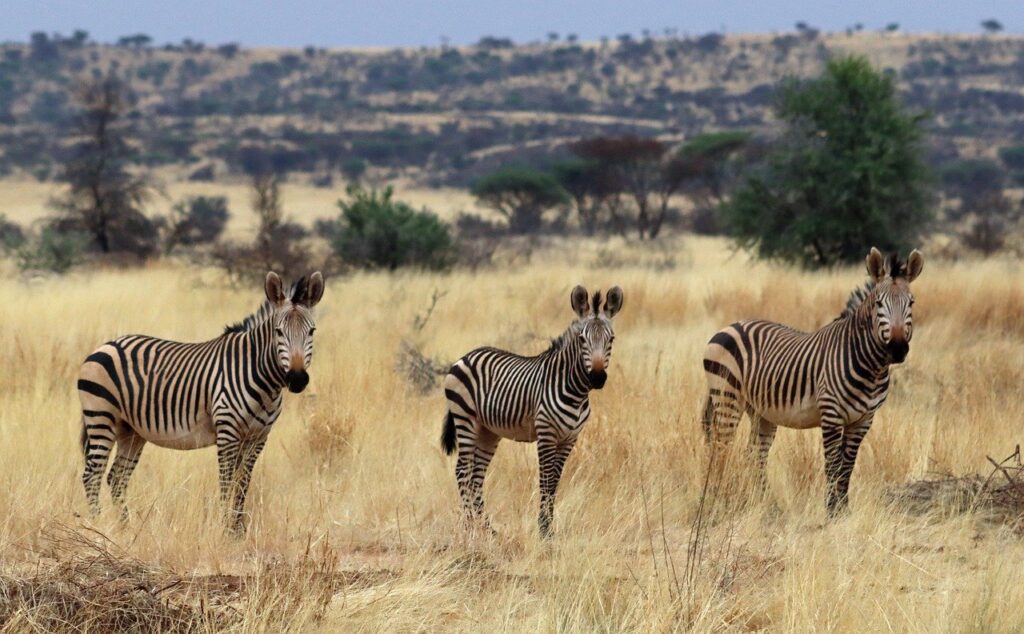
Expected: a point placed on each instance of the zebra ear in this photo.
(914, 265)
(613, 304)
(876, 265)
(314, 290)
(275, 289)
(580, 302)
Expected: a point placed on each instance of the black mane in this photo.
(296, 291)
(857, 297)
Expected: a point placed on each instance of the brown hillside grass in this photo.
(355, 513)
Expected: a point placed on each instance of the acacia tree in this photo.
(847, 172)
(521, 194)
(637, 165)
(104, 198)
(592, 188)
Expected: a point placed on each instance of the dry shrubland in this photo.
(355, 513)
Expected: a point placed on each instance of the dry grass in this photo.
(356, 526)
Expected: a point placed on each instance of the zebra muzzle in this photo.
(296, 380)
(597, 378)
(898, 350)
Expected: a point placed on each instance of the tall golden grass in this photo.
(355, 514)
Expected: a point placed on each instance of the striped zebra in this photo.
(835, 378)
(226, 391)
(494, 394)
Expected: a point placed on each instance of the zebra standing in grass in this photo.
(227, 391)
(494, 394)
(835, 378)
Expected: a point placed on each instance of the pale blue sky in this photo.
(418, 22)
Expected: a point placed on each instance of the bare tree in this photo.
(104, 198)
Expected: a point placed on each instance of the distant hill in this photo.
(440, 116)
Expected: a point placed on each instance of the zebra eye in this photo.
(311, 331)
(279, 330)
(911, 301)
(878, 303)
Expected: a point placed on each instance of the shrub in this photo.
(53, 251)
(11, 235)
(376, 231)
(196, 220)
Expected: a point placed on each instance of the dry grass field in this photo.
(354, 507)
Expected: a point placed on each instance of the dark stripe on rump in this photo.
(97, 390)
(716, 368)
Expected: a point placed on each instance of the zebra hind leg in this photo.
(465, 469)
(486, 445)
(129, 448)
(762, 433)
(97, 442)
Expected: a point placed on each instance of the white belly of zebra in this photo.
(804, 415)
(201, 434)
(524, 431)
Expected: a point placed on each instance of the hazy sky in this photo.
(416, 22)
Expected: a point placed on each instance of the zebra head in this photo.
(594, 331)
(294, 325)
(892, 318)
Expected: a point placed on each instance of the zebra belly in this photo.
(803, 416)
(525, 431)
(200, 434)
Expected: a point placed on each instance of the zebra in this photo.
(835, 378)
(494, 394)
(226, 391)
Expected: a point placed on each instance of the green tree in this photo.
(521, 194)
(376, 231)
(846, 174)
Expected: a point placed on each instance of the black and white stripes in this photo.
(494, 394)
(835, 378)
(227, 391)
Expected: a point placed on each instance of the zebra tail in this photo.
(708, 419)
(448, 434)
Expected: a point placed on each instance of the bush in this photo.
(375, 231)
(11, 235)
(53, 251)
(196, 220)
(847, 174)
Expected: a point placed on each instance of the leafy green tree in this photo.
(847, 173)
(375, 231)
(522, 195)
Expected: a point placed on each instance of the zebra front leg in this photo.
(832, 439)
(852, 438)
(129, 448)
(551, 457)
(97, 443)
(228, 461)
(248, 454)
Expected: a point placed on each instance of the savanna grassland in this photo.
(355, 523)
